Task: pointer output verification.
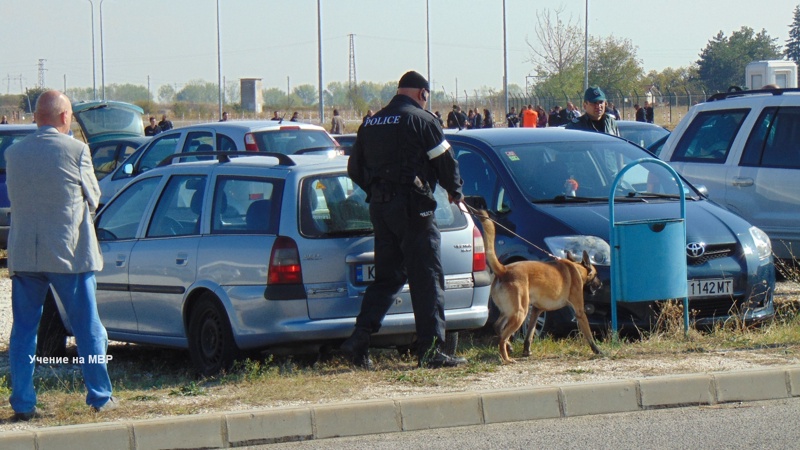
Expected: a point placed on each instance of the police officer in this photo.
(595, 118)
(399, 156)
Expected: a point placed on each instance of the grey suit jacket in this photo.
(53, 193)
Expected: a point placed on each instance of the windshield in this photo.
(547, 171)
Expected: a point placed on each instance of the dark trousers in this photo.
(407, 248)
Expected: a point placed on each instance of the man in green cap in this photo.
(595, 117)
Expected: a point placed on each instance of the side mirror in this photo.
(476, 201)
(127, 169)
(702, 189)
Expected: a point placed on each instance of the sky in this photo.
(152, 43)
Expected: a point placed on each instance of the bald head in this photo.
(54, 109)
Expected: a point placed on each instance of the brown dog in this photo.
(544, 286)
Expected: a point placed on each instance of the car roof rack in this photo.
(734, 91)
(224, 156)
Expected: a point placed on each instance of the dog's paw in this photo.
(510, 361)
(526, 353)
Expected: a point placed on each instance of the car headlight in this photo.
(762, 243)
(598, 249)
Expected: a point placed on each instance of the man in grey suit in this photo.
(53, 193)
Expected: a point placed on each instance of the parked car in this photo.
(641, 133)
(109, 154)
(9, 134)
(745, 148)
(548, 189)
(345, 142)
(252, 136)
(257, 253)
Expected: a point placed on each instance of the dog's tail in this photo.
(488, 240)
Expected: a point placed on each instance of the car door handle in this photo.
(182, 259)
(742, 182)
(120, 262)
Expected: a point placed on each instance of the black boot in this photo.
(436, 358)
(357, 349)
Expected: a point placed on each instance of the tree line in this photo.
(556, 54)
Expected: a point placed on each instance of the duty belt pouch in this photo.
(423, 201)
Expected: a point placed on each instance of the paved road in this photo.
(758, 425)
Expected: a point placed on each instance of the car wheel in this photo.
(543, 326)
(211, 343)
(51, 339)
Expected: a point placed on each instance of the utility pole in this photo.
(41, 73)
(353, 88)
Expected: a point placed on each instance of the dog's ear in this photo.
(586, 261)
(569, 256)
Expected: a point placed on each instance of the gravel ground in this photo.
(526, 373)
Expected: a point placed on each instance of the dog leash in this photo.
(474, 213)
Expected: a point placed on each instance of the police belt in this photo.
(383, 190)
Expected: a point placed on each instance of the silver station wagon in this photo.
(257, 253)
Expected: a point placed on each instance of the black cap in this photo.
(412, 79)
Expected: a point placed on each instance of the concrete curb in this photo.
(237, 429)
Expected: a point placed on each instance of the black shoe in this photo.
(25, 416)
(356, 347)
(439, 359)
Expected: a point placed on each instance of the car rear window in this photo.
(6, 140)
(332, 205)
(709, 137)
(290, 140)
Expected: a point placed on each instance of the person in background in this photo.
(337, 123)
(488, 120)
(152, 129)
(52, 242)
(165, 124)
(512, 119)
(649, 114)
(456, 119)
(541, 117)
(224, 116)
(438, 116)
(612, 109)
(398, 160)
(639, 113)
(295, 117)
(275, 116)
(4, 121)
(554, 118)
(369, 114)
(596, 118)
(529, 117)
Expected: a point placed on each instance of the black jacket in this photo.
(400, 142)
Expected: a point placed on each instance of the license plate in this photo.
(710, 288)
(365, 273)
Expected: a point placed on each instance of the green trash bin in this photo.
(648, 259)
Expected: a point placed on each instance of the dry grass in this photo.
(154, 382)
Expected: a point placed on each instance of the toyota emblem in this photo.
(695, 249)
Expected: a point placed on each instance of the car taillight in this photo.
(250, 143)
(284, 262)
(478, 251)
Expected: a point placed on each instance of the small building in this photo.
(252, 98)
(779, 72)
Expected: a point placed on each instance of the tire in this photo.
(51, 341)
(211, 343)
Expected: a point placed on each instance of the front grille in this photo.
(707, 308)
(712, 252)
